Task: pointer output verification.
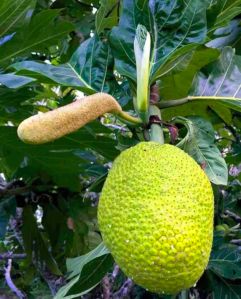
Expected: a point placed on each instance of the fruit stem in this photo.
(156, 131)
(183, 294)
(126, 117)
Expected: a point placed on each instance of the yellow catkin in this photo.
(49, 126)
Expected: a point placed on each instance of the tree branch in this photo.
(10, 283)
(232, 215)
(14, 256)
(124, 290)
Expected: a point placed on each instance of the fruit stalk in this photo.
(156, 131)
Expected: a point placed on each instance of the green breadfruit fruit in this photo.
(156, 217)
(49, 126)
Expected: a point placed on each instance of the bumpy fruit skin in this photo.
(156, 217)
(49, 126)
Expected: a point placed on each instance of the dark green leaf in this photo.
(34, 243)
(14, 14)
(57, 230)
(11, 108)
(86, 272)
(221, 12)
(176, 27)
(48, 160)
(64, 74)
(223, 288)
(92, 274)
(226, 262)
(76, 265)
(90, 69)
(42, 32)
(107, 15)
(178, 82)
(7, 208)
(199, 143)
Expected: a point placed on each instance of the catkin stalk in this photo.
(49, 126)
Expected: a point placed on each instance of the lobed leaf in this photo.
(86, 272)
(199, 143)
(176, 27)
(42, 32)
(90, 69)
(14, 14)
(28, 161)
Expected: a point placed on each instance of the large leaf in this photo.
(10, 104)
(199, 143)
(81, 14)
(107, 15)
(76, 265)
(42, 32)
(49, 160)
(175, 26)
(221, 12)
(90, 69)
(14, 14)
(86, 272)
(226, 262)
(217, 86)
(221, 82)
(223, 288)
(13, 81)
(227, 36)
(177, 83)
(34, 243)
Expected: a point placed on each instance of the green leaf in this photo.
(177, 83)
(7, 208)
(221, 81)
(57, 230)
(176, 27)
(199, 143)
(223, 288)
(76, 265)
(226, 262)
(86, 272)
(34, 243)
(64, 74)
(227, 36)
(28, 161)
(107, 15)
(13, 81)
(90, 69)
(65, 289)
(42, 32)
(11, 108)
(14, 14)
(217, 86)
(221, 12)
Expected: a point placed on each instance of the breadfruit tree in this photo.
(120, 153)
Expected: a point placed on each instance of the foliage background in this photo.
(49, 50)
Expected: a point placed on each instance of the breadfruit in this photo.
(156, 217)
(46, 127)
